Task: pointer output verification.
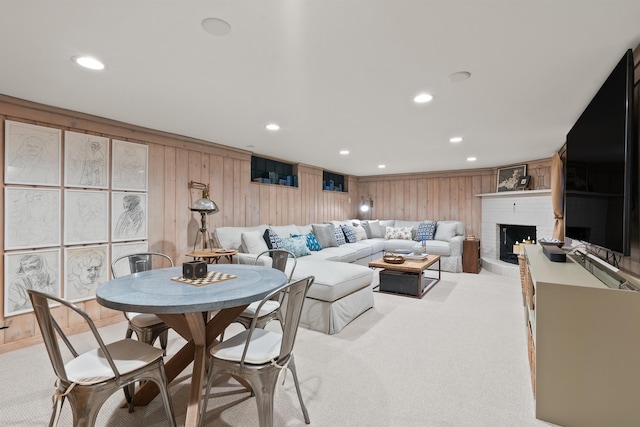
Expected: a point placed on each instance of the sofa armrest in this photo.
(456, 245)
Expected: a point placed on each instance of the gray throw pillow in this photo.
(325, 235)
(376, 228)
(367, 229)
(445, 231)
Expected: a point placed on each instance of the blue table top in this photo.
(153, 291)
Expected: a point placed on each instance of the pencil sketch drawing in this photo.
(129, 216)
(129, 166)
(39, 270)
(86, 160)
(32, 217)
(86, 216)
(32, 154)
(121, 249)
(85, 269)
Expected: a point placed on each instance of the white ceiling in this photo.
(334, 74)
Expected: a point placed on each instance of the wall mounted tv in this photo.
(601, 165)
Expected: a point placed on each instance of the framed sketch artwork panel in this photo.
(86, 217)
(39, 270)
(509, 178)
(129, 166)
(121, 249)
(32, 154)
(86, 268)
(128, 216)
(31, 217)
(86, 160)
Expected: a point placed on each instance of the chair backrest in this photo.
(279, 258)
(295, 293)
(51, 331)
(137, 262)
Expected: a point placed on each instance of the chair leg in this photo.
(129, 332)
(292, 367)
(86, 404)
(164, 336)
(264, 386)
(129, 391)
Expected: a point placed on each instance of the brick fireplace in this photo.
(522, 208)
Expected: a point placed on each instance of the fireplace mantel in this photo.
(524, 193)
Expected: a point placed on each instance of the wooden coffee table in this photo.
(407, 278)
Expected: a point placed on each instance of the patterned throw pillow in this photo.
(312, 241)
(339, 236)
(428, 228)
(349, 233)
(403, 233)
(272, 240)
(296, 245)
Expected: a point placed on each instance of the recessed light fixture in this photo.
(422, 98)
(216, 26)
(455, 139)
(272, 126)
(382, 166)
(344, 152)
(460, 76)
(88, 62)
(471, 159)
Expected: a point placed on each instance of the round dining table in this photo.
(185, 308)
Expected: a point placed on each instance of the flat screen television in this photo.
(601, 165)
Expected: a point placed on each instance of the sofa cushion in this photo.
(272, 239)
(253, 242)
(333, 283)
(325, 235)
(296, 245)
(361, 234)
(362, 250)
(349, 233)
(376, 245)
(403, 233)
(428, 229)
(341, 253)
(286, 230)
(339, 236)
(445, 230)
(231, 237)
(376, 230)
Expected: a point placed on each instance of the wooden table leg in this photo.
(200, 336)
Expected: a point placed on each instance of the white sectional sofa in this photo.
(343, 286)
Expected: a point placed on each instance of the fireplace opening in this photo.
(509, 235)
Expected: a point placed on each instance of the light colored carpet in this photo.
(457, 357)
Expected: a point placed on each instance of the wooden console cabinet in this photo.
(584, 344)
(471, 261)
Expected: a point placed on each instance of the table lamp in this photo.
(206, 207)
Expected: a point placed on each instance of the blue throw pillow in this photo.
(312, 241)
(428, 229)
(272, 240)
(296, 245)
(349, 233)
(339, 236)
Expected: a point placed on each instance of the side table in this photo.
(213, 255)
(471, 260)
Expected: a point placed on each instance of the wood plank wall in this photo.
(175, 160)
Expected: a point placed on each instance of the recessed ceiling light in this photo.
(216, 26)
(460, 76)
(344, 152)
(272, 126)
(88, 62)
(422, 98)
(455, 139)
(381, 166)
(471, 159)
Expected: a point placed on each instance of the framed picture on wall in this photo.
(86, 217)
(509, 178)
(31, 217)
(86, 268)
(86, 160)
(39, 270)
(32, 154)
(129, 166)
(128, 216)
